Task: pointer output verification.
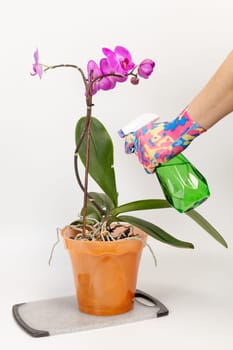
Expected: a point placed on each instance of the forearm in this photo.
(215, 100)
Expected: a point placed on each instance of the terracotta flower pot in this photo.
(105, 273)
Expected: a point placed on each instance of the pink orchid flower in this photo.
(118, 61)
(146, 68)
(37, 67)
(103, 84)
(106, 68)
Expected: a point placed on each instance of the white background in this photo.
(188, 40)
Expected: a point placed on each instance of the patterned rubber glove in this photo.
(157, 142)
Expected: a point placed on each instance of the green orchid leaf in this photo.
(142, 205)
(155, 231)
(92, 212)
(104, 202)
(200, 220)
(101, 156)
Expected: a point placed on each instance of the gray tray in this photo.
(60, 315)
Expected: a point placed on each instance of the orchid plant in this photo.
(95, 149)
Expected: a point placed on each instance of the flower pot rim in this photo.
(67, 236)
(116, 247)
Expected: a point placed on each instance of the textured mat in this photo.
(61, 315)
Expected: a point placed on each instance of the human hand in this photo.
(157, 142)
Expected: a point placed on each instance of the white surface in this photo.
(189, 40)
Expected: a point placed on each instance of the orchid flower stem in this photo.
(85, 130)
(101, 211)
(76, 167)
(89, 110)
(107, 75)
(69, 66)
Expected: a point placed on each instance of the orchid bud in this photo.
(146, 68)
(134, 80)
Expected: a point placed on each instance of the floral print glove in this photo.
(157, 142)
